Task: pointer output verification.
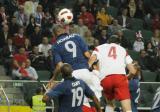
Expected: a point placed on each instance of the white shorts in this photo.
(92, 81)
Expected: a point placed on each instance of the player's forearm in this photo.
(97, 104)
(87, 54)
(92, 59)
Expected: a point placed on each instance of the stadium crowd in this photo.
(26, 35)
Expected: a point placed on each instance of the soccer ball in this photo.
(65, 16)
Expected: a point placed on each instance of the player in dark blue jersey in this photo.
(156, 101)
(134, 86)
(71, 48)
(71, 92)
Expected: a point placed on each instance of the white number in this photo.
(71, 49)
(77, 95)
(138, 92)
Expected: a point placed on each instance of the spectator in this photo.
(115, 27)
(30, 26)
(103, 37)
(87, 17)
(47, 4)
(132, 8)
(11, 6)
(21, 17)
(37, 103)
(140, 10)
(13, 26)
(123, 41)
(150, 50)
(156, 38)
(49, 62)
(4, 35)
(44, 47)
(90, 40)
(106, 19)
(98, 28)
(124, 20)
(39, 15)
(19, 38)
(145, 61)
(37, 59)
(138, 44)
(36, 37)
(30, 7)
(156, 22)
(31, 71)
(3, 16)
(27, 45)
(81, 28)
(7, 54)
(19, 63)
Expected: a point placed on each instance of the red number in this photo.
(112, 52)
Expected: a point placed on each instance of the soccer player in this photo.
(113, 60)
(71, 92)
(134, 87)
(156, 101)
(71, 48)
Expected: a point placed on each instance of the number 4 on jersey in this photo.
(112, 52)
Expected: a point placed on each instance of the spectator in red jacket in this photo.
(156, 22)
(87, 17)
(19, 38)
(19, 63)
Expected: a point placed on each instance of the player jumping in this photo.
(113, 60)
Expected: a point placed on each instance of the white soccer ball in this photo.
(65, 16)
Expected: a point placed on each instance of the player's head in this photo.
(58, 30)
(66, 70)
(114, 39)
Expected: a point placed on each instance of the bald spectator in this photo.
(31, 71)
(21, 17)
(81, 28)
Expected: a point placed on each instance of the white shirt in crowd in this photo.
(44, 49)
(138, 46)
(32, 72)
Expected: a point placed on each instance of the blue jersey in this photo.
(70, 49)
(71, 94)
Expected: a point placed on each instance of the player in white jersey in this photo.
(113, 59)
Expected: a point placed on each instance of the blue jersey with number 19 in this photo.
(70, 94)
(70, 48)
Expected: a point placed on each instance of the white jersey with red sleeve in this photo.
(113, 59)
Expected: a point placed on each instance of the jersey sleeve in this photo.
(128, 59)
(88, 91)
(57, 58)
(82, 44)
(56, 92)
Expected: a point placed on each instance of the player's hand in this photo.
(51, 84)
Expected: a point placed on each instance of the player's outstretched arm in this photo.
(97, 104)
(55, 74)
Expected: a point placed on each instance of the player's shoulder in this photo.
(101, 46)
